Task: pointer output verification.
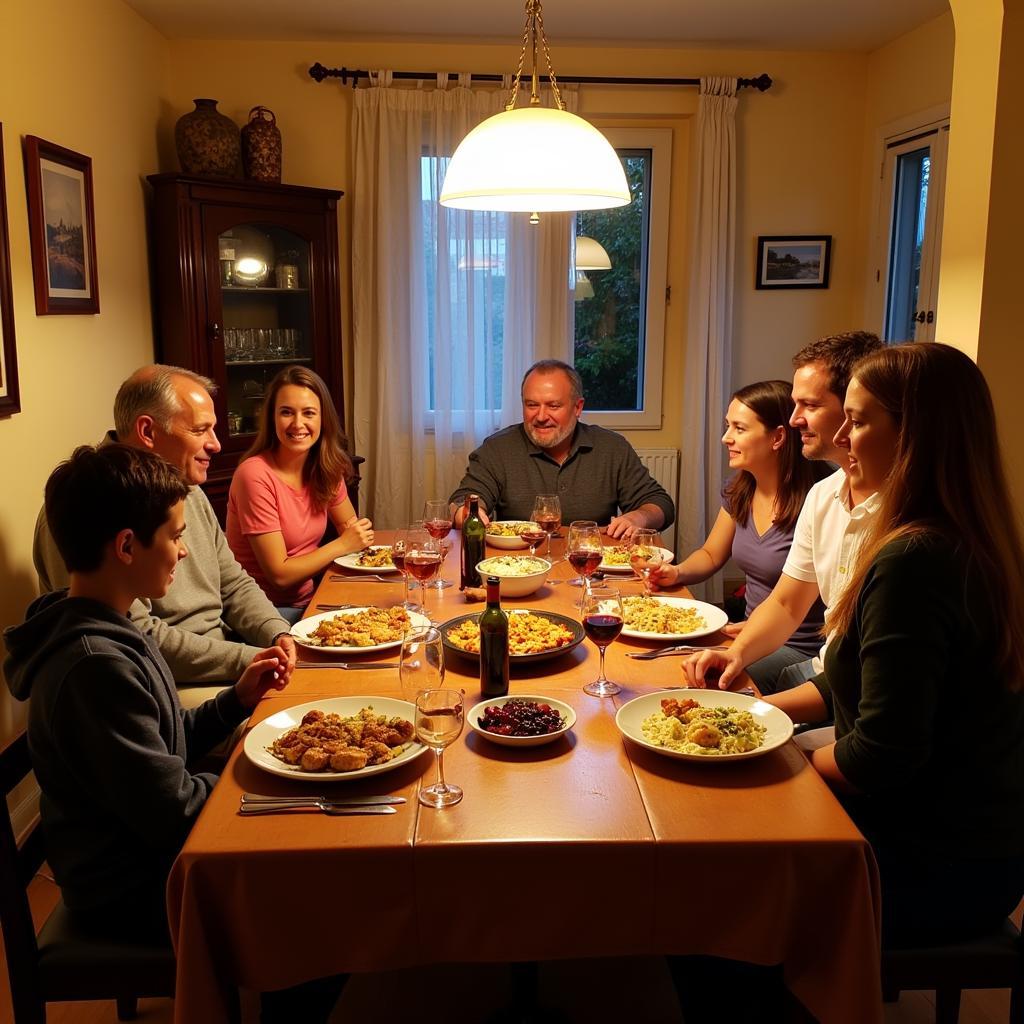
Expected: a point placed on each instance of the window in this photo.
(620, 313)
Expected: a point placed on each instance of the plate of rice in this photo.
(505, 534)
(649, 617)
(704, 725)
(615, 557)
(376, 558)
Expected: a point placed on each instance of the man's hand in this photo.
(265, 672)
(624, 526)
(459, 516)
(712, 668)
(286, 642)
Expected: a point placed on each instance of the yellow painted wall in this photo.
(87, 77)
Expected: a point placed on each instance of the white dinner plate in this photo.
(666, 556)
(477, 712)
(304, 627)
(351, 562)
(714, 618)
(778, 726)
(261, 736)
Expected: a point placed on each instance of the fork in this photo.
(668, 651)
(368, 578)
(336, 607)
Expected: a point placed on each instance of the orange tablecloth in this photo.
(637, 853)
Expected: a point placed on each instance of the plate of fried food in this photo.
(704, 725)
(649, 617)
(376, 558)
(335, 739)
(532, 635)
(506, 534)
(362, 630)
(615, 557)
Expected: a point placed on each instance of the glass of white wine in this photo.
(439, 718)
(421, 663)
(644, 555)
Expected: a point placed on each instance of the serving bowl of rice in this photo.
(520, 575)
(506, 534)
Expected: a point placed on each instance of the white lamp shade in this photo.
(535, 159)
(591, 255)
(584, 287)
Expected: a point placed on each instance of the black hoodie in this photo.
(110, 746)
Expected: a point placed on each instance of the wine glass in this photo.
(422, 558)
(439, 718)
(398, 549)
(602, 622)
(533, 533)
(584, 549)
(437, 518)
(421, 662)
(547, 513)
(644, 555)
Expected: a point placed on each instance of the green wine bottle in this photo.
(473, 534)
(493, 644)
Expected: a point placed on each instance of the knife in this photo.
(257, 798)
(351, 665)
(322, 805)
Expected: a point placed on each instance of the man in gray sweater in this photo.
(214, 619)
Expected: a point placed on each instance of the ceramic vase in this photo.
(261, 146)
(207, 141)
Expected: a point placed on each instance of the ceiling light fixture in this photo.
(590, 255)
(534, 158)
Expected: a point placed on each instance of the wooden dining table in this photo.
(590, 846)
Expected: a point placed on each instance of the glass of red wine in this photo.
(547, 514)
(585, 550)
(398, 548)
(437, 518)
(602, 622)
(533, 533)
(422, 558)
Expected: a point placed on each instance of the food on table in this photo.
(327, 742)
(375, 558)
(689, 728)
(527, 634)
(512, 565)
(509, 529)
(367, 628)
(619, 554)
(521, 718)
(647, 614)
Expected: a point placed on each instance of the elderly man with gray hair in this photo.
(214, 618)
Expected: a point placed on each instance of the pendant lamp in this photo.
(534, 158)
(590, 255)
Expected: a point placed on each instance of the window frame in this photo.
(649, 417)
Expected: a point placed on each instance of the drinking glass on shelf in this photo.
(421, 663)
(422, 558)
(644, 555)
(437, 518)
(547, 513)
(584, 549)
(439, 718)
(602, 622)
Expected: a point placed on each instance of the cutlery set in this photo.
(253, 803)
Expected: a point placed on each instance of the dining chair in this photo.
(989, 961)
(61, 964)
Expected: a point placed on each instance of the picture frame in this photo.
(10, 394)
(793, 261)
(62, 228)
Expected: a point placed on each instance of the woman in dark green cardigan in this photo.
(925, 674)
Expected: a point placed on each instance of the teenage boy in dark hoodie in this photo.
(112, 749)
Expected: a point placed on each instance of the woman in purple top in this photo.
(760, 505)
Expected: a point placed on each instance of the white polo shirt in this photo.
(825, 539)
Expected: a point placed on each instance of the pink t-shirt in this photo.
(261, 502)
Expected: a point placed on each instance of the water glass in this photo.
(421, 662)
(439, 718)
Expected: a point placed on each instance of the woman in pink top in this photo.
(290, 481)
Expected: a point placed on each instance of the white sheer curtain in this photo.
(709, 335)
(449, 306)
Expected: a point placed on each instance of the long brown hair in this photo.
(947, 478)
(771, 401)
(327, 462)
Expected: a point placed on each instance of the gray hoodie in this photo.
(110, 746)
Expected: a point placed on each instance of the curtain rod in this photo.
(319, 73)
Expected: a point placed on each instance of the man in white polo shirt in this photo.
(831, 526)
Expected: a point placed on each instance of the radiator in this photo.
(663, 465)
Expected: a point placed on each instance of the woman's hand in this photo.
(712, 668)
(358, 534)
(734, 628)
(266, 671)
(663, 575)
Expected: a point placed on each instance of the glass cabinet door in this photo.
(267, 314)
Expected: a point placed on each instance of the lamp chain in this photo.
(534, 25)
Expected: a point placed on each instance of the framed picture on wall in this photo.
(10, 397)
(793, 261)
(62, 228)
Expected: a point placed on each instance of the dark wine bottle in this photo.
(473, 537)
(493, 644)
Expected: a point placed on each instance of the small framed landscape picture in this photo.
(793, 261)
(62, 228)
(10, 401)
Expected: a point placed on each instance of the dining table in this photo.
(589, 846)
